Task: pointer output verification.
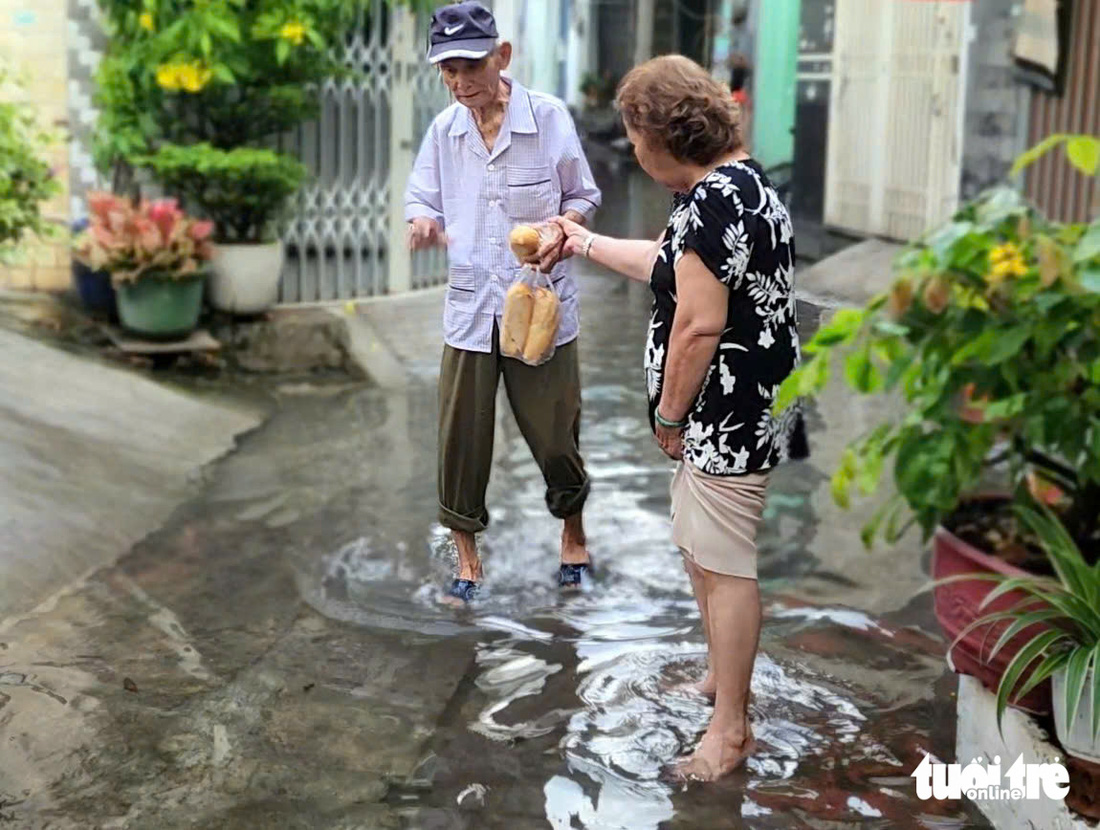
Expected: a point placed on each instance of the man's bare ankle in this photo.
(472, 573)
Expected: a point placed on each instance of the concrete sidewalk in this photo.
(850, 277)
(94, 458)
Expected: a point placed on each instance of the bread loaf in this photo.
(524, 241)
(519, 305)
(544, 325)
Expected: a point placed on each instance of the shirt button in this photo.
(491, 168)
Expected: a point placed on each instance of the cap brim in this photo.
(475, 49)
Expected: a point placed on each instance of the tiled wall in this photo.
(33, 36)
(86, 42)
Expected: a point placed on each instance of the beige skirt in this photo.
(715, 518)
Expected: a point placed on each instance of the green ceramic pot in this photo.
(159, 307)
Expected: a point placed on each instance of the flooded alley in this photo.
(275, 656)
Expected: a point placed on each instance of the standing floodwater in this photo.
(289, 665)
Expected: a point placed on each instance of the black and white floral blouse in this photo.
(736, 223)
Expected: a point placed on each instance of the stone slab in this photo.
(199, 340)
(978, 737)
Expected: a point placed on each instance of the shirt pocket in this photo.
(461, 286)
(532, 194)
(565, 284)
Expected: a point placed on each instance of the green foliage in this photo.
(991, 335)
(224, 73)
(1082, 151)
(244, 190)
(600, 87)
(1067, 609)
(26, 180)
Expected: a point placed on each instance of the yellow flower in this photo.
(1003, 252)
(168, 76)
(1005, 261)
(194, 76)
(293, 31)
(146, 21)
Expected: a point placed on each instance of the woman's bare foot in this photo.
(707, 687)
(715, 757)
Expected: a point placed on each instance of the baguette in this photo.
(519, 305)
(524, 242)
(544, 325)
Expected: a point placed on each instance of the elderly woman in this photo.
(722, 338)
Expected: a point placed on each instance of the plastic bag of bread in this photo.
(532, 313)
(544, 326)
(519, 307)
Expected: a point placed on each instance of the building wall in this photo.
(775, 82)
(615, 36)
(32, 38)
(1055, 186)
(814, 89)
(994, 128)
(86, 44)
(539, 45)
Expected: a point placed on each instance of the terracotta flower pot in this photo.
(957, 605)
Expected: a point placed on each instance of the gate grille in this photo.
(340, 239)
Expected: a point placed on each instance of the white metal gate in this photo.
(895, 122)
(346, 239)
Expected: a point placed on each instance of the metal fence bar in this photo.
(346, 237)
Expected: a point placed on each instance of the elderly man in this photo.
(499, 157)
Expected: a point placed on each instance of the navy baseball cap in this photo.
(461, 30)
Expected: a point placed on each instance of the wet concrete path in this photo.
(275, 657)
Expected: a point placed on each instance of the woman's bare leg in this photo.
(709, 685)
(733, 607)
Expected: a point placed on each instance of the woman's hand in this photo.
(671, 442)
(575, 236)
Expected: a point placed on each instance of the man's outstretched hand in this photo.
(550, 249)
(422, 233)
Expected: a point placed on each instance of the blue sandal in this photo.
(572, 576)
(464, 589)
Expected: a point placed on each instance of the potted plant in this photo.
(991, 335)
(197, 94)
(1066, 648)
(592, 89)
(245, 192)
(26, 180)
(94, 287)
(156, 256)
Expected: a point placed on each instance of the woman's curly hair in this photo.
(679, 106)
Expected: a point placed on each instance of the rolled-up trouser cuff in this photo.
(467, 524)
(564, 502)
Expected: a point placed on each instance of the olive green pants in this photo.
(546, 401)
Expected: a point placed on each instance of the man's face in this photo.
(474, 83)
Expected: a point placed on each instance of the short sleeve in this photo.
(711, 222)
